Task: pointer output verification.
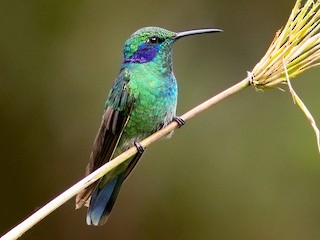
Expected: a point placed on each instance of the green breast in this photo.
(155, 97)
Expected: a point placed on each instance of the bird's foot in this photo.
(139, 147)
(179, 120)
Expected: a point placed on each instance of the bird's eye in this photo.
(155, 40)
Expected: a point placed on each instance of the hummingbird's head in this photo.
(147, 43)
(144, 45)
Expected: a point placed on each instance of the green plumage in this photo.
(142, 100)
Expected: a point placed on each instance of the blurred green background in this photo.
(246, 169)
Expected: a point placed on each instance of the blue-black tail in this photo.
(102, 201)
(104, 196)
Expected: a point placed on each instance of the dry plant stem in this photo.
(294, 49)
(297, 100)
(24, 226)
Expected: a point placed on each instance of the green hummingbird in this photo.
(142, 100)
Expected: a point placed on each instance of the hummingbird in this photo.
(143, 100)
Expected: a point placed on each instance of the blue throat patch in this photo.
(145, 53)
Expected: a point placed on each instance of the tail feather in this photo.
(83, 197)
(104, 195)
(102, 201)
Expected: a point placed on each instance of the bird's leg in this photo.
(179, 120)
(139, 147)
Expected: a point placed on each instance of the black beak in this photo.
(196, 31)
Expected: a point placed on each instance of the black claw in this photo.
(179, 120)
(139, 147)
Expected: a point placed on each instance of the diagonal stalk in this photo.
(36, 217)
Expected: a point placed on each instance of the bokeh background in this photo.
(248, 168)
